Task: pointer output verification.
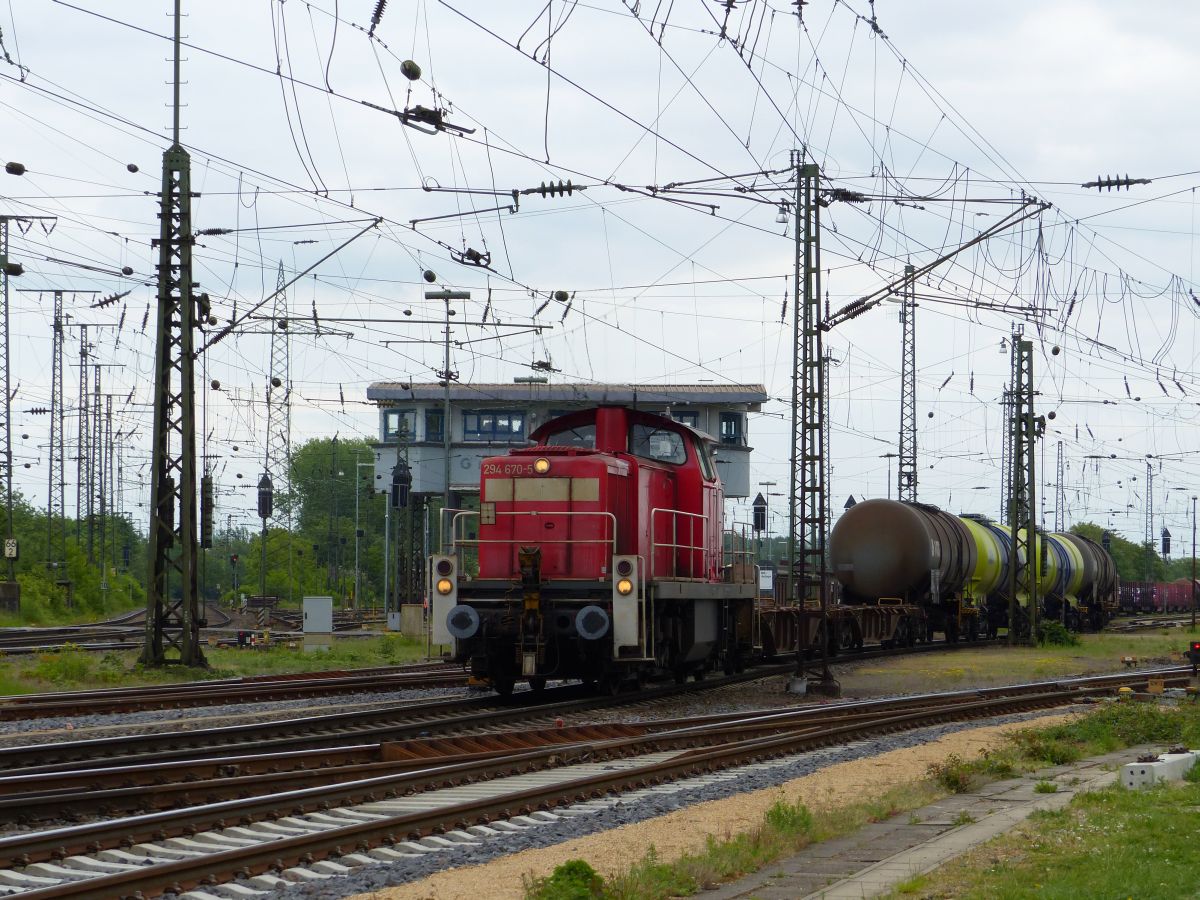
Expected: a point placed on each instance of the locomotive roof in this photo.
(752, 395)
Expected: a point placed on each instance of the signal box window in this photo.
(494, 426)
(657, 444)
(731, 429)
(690, 418)
(435, 425)
(579, 436)
(399, 424)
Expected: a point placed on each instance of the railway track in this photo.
(433, 796)
(390, 723)
(121, 632)
(283, 687)
(231, 690)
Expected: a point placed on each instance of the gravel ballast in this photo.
(648, 806)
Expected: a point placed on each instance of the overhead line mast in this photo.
(906, 484)
(173, 605)
(809, 494)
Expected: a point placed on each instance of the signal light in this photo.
(625, 568)
(233, 557)
(624, 587)
(444, 567)
(445, 586)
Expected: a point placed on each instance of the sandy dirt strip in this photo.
(687, 829)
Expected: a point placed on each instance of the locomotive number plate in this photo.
(508, 469)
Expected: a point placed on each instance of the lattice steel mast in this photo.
(1024, 430)
(56, 501)
(1060, 491)
(83, 458)
(279, 416)
(173, 611)
(809, 493)
(906, 471)
(8, 270)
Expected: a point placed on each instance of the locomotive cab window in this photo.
(706, 463)
(657, 444)
(579, 436)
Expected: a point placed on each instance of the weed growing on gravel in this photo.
(955, 774)
(1045, 787)
(573, 880)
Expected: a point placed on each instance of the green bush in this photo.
(573, 880)
(1054, 634)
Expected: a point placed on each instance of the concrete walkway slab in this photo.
(879, 856)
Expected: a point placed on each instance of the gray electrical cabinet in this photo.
(318, 623)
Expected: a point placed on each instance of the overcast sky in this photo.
(948, 114)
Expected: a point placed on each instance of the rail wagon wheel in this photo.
(504, 685)
(846, 635)
(900, 638)
(537, 683)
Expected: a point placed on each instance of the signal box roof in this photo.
(752, 395)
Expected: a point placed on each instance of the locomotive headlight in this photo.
(444, 586)
(624, 587)
(541, 465)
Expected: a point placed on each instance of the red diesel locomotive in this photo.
(595, 554)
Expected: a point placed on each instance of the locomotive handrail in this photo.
(454, 541)
(674, 545)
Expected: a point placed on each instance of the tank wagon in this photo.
(598, 554)
(958, 568)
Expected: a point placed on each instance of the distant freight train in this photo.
(958, 568)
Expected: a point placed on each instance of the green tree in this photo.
(327, 484)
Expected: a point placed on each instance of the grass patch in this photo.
(787, 828)
(73, 668)
(1107, 843)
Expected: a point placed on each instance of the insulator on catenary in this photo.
(377, 15)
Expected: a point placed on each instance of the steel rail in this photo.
(280, 853)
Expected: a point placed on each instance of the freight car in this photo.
(958, 568)
(597, 554)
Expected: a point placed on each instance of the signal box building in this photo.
(487, 419)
